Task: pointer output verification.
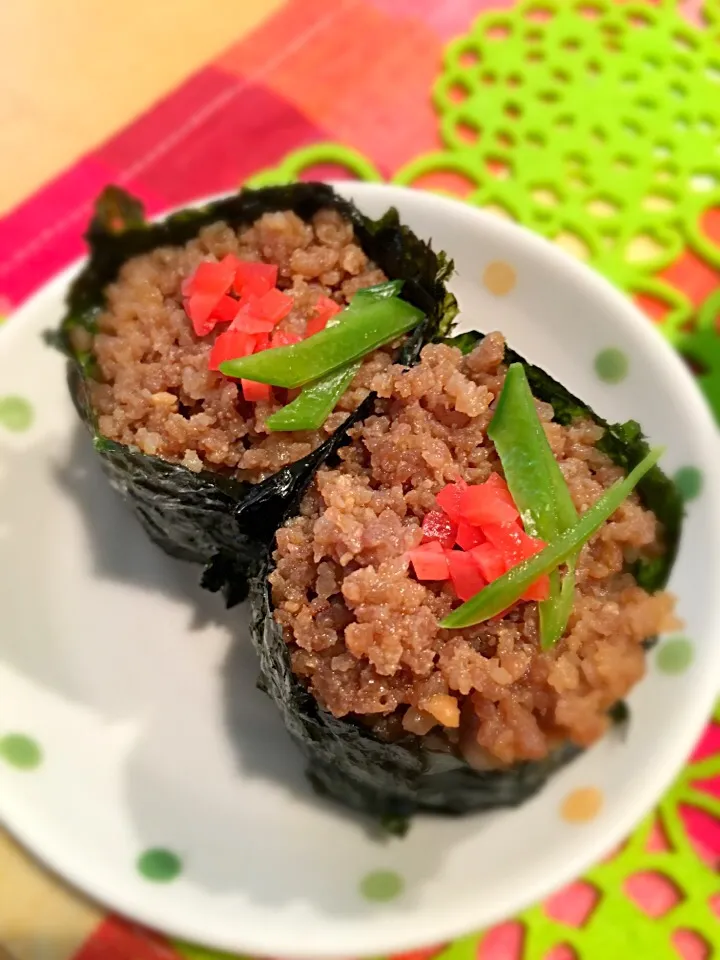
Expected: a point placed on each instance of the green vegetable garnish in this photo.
(555, 611)
(316, 402)
(506, 590)
(381, 291)
(538, 489)
(366, 324)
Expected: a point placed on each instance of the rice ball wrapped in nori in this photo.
(183, 443)
(395, 714)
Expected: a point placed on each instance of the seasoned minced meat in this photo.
(364, 632)
(154, 388)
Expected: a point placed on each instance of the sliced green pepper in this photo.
(537, 487)
(367, 324)
(555, 611)
(313, 406)
(506, 590)
(381, 291)
(317, 400)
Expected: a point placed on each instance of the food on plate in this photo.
(464, 595)
(162, 311)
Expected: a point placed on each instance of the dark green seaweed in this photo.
(390, 782)
(191, 515)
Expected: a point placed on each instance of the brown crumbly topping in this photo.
(364, 633)
(155, 390)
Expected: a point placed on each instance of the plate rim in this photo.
(428, 926)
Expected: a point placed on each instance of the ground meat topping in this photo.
(363, 632)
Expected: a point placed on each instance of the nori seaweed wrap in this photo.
(363, 737)
(131, 291)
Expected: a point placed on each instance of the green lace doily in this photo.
(594, 123)
(597, 124)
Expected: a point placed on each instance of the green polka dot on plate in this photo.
(380, 886)
(689, 481)
(674, 656)
(159, 865)
(612, 365)
(20, 751)
(16, 413)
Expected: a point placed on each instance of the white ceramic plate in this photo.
(122, 673)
